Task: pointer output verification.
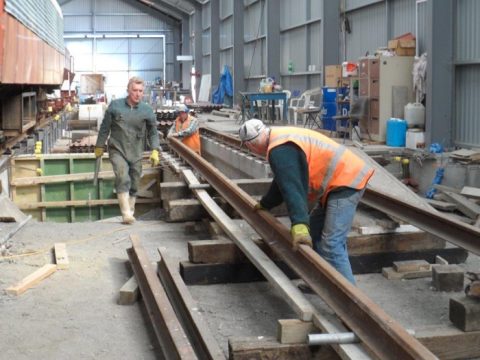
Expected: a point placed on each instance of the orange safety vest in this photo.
(192, 141)
(330, 165)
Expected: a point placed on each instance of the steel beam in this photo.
(187, 310)
(435, 223)
(173, 341)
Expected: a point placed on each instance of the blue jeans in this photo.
(329, 227)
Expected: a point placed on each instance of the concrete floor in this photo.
(73, 314)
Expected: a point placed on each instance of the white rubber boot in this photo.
(125, 208)
(131, 202)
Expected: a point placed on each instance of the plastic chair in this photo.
(279, 106)
(305, 101)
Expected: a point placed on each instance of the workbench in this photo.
(251, 97)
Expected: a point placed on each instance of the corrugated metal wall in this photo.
(206, 51)
(43, 17)
(255, 51)
(467, 74)
(368, 28)
(119, 58)
(301, 41)
(373, 23)
(226, 34)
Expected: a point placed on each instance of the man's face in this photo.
(135, 93)
(183, 115)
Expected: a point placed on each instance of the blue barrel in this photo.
(396, 132)
(330, 108)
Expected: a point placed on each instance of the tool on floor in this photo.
(98, 167)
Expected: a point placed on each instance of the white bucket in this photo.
(415, 139)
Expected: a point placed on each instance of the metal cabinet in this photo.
(387, 81)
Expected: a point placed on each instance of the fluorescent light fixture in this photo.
(184, 58)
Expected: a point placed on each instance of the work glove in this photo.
(300, 235)
(258, 207)
(98, 151)
(155, 158)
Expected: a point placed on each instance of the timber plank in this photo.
(222, 251)
(205, 274)
(61, 256)
(391, 274)
(450, 343)
(129, 292)
(294, 331)
(225, 251)
(32, 279)
(369, 263)
(471, 191)
(264, 348)
(184, 210)
(52, 179)
(411, 265)
(400, 242)
(180, 190)
(60, 204)
(464, 205)
(173, 190)
(202, 274)
(442, 205)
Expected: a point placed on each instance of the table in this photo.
(254, 96)
(313, 117)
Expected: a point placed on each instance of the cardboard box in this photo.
(333, 76)
(402, 47)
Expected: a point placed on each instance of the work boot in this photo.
(131, 203)
(123, 202)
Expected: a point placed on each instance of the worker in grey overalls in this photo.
(126, 121)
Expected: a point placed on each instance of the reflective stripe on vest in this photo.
(192, 141)
(330, 165)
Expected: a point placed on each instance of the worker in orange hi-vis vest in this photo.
(185, 128)
(308, 166)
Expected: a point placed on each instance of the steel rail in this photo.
(435, 223)
(173, 341)
(187, 310)
(461, 234)
(381, 334)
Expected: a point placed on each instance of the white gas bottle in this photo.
(415, 115)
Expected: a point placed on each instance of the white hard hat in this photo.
(182, 108)
(250, 129)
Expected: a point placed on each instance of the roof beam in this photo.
(179, 5)
(164, 8)
(194, 3)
